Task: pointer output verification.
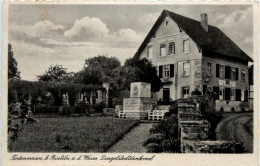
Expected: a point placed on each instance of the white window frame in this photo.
(186, 69)
(232, 94)
(185, 89)
(243, 75)
(150, 52)
(163, 47)
(186, 48)
(221, 93)
(233, 73)
(171, 48)
(209, 64)
(166, 71)
(221, 71)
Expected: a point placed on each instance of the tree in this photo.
(138, 70)
(55, 73)
(98, 70)
(12, 65)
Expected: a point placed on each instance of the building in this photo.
(191, 54)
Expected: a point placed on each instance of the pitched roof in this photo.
(214, 40)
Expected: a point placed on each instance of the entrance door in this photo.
(166, 94)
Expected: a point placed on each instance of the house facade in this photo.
(191, 54)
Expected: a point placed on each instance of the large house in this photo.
(191, 54)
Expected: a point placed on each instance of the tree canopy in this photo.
(138, 70)
(12, 65)
(97, 70)
(55, 73)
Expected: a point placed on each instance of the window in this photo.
(162, 50)
(186, 69)
(166, 70)
(166, 23)
(251, 91)
(150, 52)
(185, 92)
(243, 75)
(221, 93)
(221, 71)
(209, 68)
(172, 48)
(232, 94)
(186, 46)
(233, 73)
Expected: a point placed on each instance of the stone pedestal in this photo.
(140, 89)
(138, 108)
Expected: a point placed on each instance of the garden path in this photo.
(133, 141)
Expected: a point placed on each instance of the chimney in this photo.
(204, 21)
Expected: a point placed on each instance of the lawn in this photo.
(73, 134)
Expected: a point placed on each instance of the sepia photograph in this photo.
(125, 78)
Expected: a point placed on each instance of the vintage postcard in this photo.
(120, 83)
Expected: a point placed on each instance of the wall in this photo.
(165, 35)
(214, 81)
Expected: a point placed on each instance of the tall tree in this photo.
(12, 65)
(55, 73)
(138, 70)
(98, 70)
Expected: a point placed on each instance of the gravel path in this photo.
(232, 127)
(133, 141)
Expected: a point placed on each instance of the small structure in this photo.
(140, 103)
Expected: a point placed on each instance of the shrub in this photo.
(196, 92)
(153, 148)
(66, 110)
(171, 145)
(154, 138)
(213, 118)
(99, 107)
(226, 147)
(164, 136)
(173, 109)
(46, 109)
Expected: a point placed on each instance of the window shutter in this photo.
(160, 71)
(227, 93)
(236, 73)
(238, 94)
(246, 95)
(204, 89)
(227, 72)
(217, 70)
(216, 90)
(172, 70)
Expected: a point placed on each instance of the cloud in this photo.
(94, 29)
(87, 29)
(39, 29)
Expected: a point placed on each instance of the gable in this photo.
(170, 28)
(214, 40)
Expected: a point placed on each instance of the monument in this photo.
(140, 102)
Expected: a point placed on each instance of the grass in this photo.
(74, 134)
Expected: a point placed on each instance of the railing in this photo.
(121, 114)
(156, 115)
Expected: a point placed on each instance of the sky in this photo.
(44, 35)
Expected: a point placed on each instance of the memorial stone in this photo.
(139, 103)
